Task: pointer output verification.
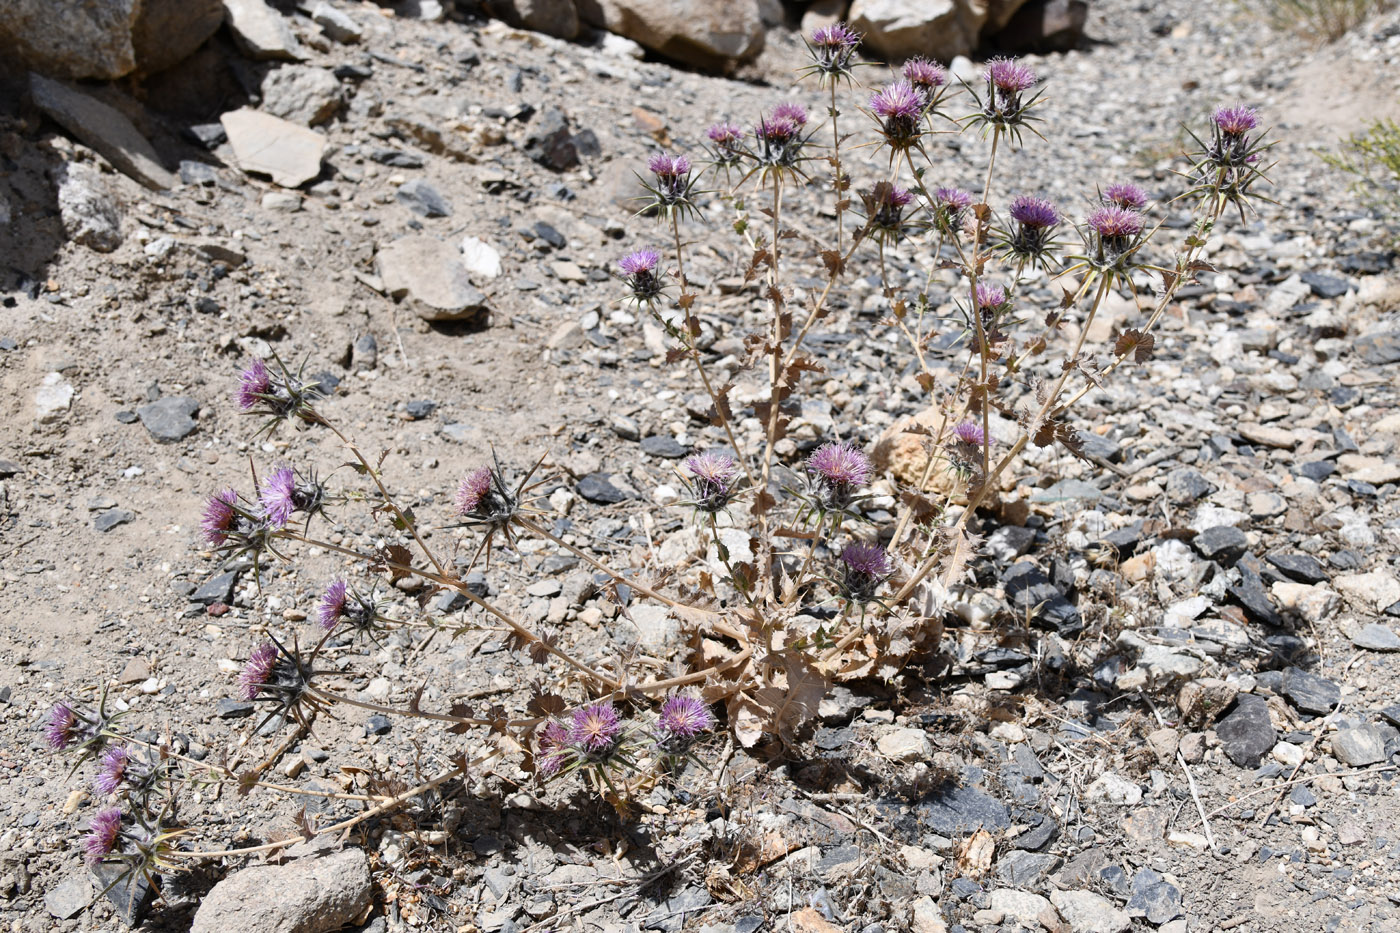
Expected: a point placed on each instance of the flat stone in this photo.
(303, 94)
(104, 128)
(1301, 567)
(398, 158)
(169, 419)
(960, 811)
(69, 897)
(1021, 906)
(1087, 912)
(1269, 436)
(1309, 692)
(1374, 470)
(283, 202)
(217, 589)
(1247, 734)
(423, 199)
(599, 487)
(266, 145)
(53, 398)
(1158, 901)
(1375, 637)
(664, 446)
(1326, 286)
(905, 745)
(1009, 542)
(335, 24)
(317, 893)
(1113, 789)
(1379, 349)
(106, 521)
(1223, 544)
(228, 708)
(261, 32)
(1359, 746)
(429, 274)
(1186, 485)
(91, 216)
(1029, 590)
(129, 893)
(1026, 869)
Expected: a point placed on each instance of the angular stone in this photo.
(1185, 486)
(317, 893)
(599, 487)
(897, 29)
(106, 521)
(423, 199)
(557, 18)
(712, 34)
(1113, 789)
(1309, 692)
(170, 419)
(430, 275)
(336, 24)
(1026, 909)
(664, 446)
(1379, 349)
(905, 745)
(1301, 567)
(1086, 912)
(53, 398)
(217, 589)
(90, 213)
(481, 258)
(268, 145)
(1375, 637)
(1247, 734)
(1159, 901)
(1029, 590)
(302, 94)
(104, 40)
(103, 128)
(1269, 436)
(69, 897)
(1359, 747)
(960, 811)
(261, 32)
(1026, 869)
(1223, 544)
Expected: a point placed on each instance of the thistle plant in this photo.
(815, 538)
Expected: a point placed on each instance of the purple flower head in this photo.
(220, 516)
(1235, 121)
(254, 385)
(667, 165)
(553, 749)
(672, 174)
(682, 719)
(473, 489)
(278, 497)
(727, 139)
(898, 107)
(990, 297)
(639, 272)
(863, 568)
(1115, 223)
(103, 831)
(790, 111)
(779, 136)
(643, 260)
(596, 730)
(923, 73)
(258, 670)
(712, 478)
(111, 771)
(1009, 76)
(832, 48)
(837, 470)
(949, 205)
(1036, 212)
(332, 606)
(970, 433)
(1125, 194)
(62, 728)
(885, 206)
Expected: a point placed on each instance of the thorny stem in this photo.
(836, 167)
(811, 552)
(775, 365)
(330, 696)
(723, 553)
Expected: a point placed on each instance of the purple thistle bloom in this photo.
(885, 205)
(1035, 212)
(643, 260)
(1235, 121)
(596, 730)
(672, 177)
(835, 36)
(1125, 194)
(258, 670)
(681, 720)
(254, 385)
(970, 433)
(832, 47)
(837, 470)
(666, 165)
(898, 107)
(473, 489)
(990, 297)
(219, 516)
(111, 770)
(332, 606)
(1115, 223)
(726, 138)
(868, 560)
(639, 271)
(1009, 76)
(790, 111)
(952, 199)
(103, 830)
(553, 749)
(712, 479)
(62, 727)
(921, 72)
(779, 136)
(277, 497)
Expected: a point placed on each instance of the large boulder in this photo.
(551, 17)
(940, 29)
(83, 39)
(708, 34)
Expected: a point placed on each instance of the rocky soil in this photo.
(1165, 700)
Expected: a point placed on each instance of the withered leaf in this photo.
(675, 354)
(546, 704)
(762, 502)
(1137, 343)
(832, 260)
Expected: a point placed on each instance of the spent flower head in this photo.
(885, 210)
(275, 392)
(553, 749)
(104, 830)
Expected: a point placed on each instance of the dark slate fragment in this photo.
(1010, 542)
(1251, 594)
(106, 521)
(664, 446)
(378, 725)
(227, 708)
(1029, 590)
(1309, 692)
(550, 143)
(1159, 902)
(397, 158)
(218, 589)
(1326, 286)
(1185, 486)
(420, 408)
(959, 811)
(598, 487)
(423, 199)
(1317, 470)
(1246, 734)
(1096, 445)
(1223, 544)
(1301, 567)
(169, 419)
(129, 892)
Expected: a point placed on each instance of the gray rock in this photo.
(1359, 746)
(217, 589)
(1026, 869)
(1154, 898)
(550, 142)
(69, 897)
(198, 173)
(106, 521)
(1301, 567)
(261, 32)
(398, 158)
(103, 128)
(423, 199)
(53, 398)
(1309, 692)
(940, 29)
(1376, 637)
(366, 353)
(90, 213)
(960, 811)
(551, 17)
(302, 94)
(1223, 544)
(1247, 734)
(129, 894)
(339, 26)
(600, 488)
(226, 708)
(430, 276)
(314, 894)
(711, 34)
(1325, 286)
(664, 446)
(1086, 912)
(104, 40)
(170, 418)
(268, 145)
(1044, 26)
(1010, 542)
(1379, 349)
(1030, 591)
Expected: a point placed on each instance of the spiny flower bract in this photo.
(898, 108)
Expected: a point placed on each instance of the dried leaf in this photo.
(791, 706)
(746, 719)
(1135, 342)
(832, 260)
(720, 412)
(676, 354)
